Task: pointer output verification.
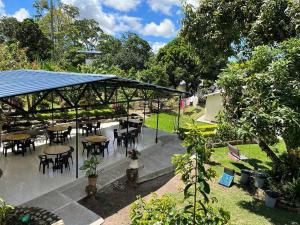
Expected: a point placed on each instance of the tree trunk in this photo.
(275, 159)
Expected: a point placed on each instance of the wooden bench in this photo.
(234, 153)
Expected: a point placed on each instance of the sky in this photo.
(157, 21)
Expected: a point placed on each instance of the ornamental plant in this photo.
(90, 167)
(195, 208)
(4, 211)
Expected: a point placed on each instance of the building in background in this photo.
(213, 105)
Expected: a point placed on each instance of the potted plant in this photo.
(134, 156)
(4, 211)
(133, 171)
(271, 198)
(259, 180)
(245, 176)
(90, 168)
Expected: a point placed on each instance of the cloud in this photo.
(122, 5)
(2, 8)
(21, 14)
(163, 6)
(92, 9)
(165, 29)
(156, 46)
(166, 6)
(113, 23)
(193, 2)
(128, 23)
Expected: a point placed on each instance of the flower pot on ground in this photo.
(90, 168)
(259, 180)
(245, 176)
(271, 198)
(133, 171)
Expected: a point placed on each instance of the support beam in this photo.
(81, 94)
(157, 120)
(64, 98)
(33, 107)
(76, 142)
(6, 101)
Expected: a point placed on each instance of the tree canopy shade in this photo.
(262, 96)
(180, 63)
(225, 28)
(27, 35)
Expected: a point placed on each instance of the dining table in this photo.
(96, 139)
(58, 129)
(56, 150)
(124, 131)
(17, 138)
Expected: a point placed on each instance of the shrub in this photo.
(208, 130)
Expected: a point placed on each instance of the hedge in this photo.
(208, 130)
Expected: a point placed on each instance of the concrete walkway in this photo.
(63, 201)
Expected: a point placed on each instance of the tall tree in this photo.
(222, 29)
(134, 52)
(181, 63)
(262, 96)
(28, 36)
(71, 34)
(32, 38)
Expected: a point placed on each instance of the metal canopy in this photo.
(21, 82)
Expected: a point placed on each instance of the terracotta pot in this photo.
(134, 164)
(93, 181)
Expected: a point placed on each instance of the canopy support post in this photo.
(157, 120)
(178, 119)
(127, 125)
(52, 105)
(76, 141)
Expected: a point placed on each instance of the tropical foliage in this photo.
(262, 96)
(90, 166)
(196, 207)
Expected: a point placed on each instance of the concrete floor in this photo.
(22, 181)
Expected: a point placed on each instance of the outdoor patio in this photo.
(22, 180)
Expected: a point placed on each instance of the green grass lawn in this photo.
(244, 210)
(242, 207)
(167, 121)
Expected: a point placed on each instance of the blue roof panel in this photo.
(19, 82)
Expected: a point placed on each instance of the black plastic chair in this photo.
(44, 161)
(97, 127)
(88, 128)
(63, 161)
(89, 148)
(70, 153)
(106, 144)
(66, 135)
(7, 146)
(49, 136)
(117, 137)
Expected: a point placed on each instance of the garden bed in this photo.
(120, 194)
(37, 216)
